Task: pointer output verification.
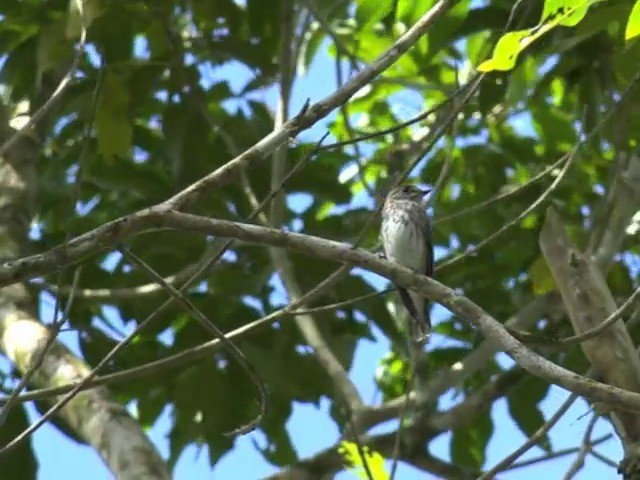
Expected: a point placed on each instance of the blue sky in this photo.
(312, 428)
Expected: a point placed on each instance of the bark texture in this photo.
(92, 415)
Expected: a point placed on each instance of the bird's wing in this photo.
(425, 228)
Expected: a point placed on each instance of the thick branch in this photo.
(588, 301)
(92, 416)
(329, 461)
(619, 206)
(330, 250)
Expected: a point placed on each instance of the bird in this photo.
(405, 235)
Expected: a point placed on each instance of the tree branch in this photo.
(310, 114)
(588, 302)
(155, 218)
(329, 461)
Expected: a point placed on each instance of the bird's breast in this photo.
(403, 242)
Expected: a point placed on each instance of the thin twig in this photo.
(568, 161)
(139, 328)
(217, 333)
(533, 339)
(40, 352)
(532, 440)
(585, 448)
(502, 196)
(557, 454)
(607, 461)
(403, 411)
(402, 125)
(191, 355)
(344, 111)
(50, 102)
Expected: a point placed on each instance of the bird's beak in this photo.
(426, 191)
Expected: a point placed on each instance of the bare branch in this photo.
(310, 114)
(531, 441)
(620, 204)
(155, 218)
(557, 454)
(51, 101)
(585, 448)
(328, 461)
(587, 334)
(503, 195)
(588, 300)
(217, 333)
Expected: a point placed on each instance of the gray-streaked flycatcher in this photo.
(405, 234)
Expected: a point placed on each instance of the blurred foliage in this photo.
(162, 87)
(373, 461)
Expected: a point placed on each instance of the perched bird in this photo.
(405, 234)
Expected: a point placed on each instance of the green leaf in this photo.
(113, 126)
(369, 12)
(150, 406)
(619, 279)
(21, 463)
(375, 462)
(492, 92)
(633, 24)
(468, 444)
(409, 11)
(53, 48)
(507, 50)
(567, 13)
(159, 40)
(523, 403)
(541, 277)
(392, 376)
(81, 14)
(279, 449)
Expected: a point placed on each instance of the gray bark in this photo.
(92, 415)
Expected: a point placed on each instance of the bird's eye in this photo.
(406, 189)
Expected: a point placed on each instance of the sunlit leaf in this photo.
(556, 12)
(541, 277)
(507, 50)
(372, 11)
(633, 23)
(374, 461)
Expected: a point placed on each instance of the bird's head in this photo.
(408, 192)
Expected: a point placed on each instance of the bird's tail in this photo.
(420, 329)
(419, 320)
